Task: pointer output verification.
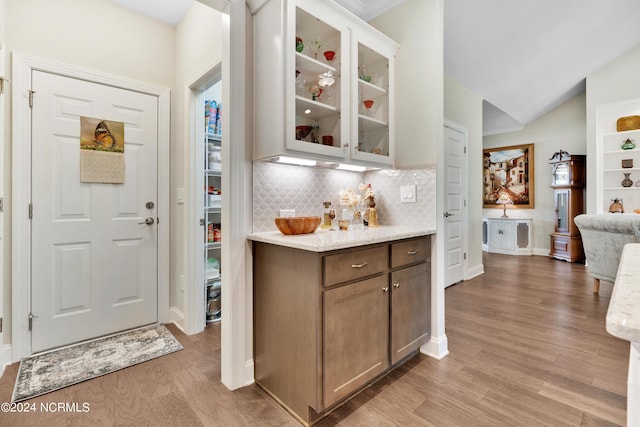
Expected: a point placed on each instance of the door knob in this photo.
(447, 214)
(148, 221)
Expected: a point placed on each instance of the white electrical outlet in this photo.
(287, 213)
(408, 194)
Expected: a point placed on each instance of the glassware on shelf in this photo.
(368, 105)
(363, 74)
(299, 45)
(329, 55)
(315, 47)
(315, 90)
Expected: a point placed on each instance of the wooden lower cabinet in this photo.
(327, 324)
(410, 299)
(356, 336)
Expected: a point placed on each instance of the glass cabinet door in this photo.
(373, 105)
(562, 210)
(320, 89)
(372, 74)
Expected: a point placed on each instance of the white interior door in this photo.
(94, 259)
(455, 151)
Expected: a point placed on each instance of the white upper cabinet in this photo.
(323, 84)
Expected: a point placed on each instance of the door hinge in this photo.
(2, 80)
(30, 211)
(31, 317)
(0, 325)
(465, 149)
(465, 256)
(31, 92)
(1, 204)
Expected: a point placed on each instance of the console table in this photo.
(510, 236)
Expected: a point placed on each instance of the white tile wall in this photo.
(278, 186)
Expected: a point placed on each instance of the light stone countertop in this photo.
(322, 240)
(623, 315)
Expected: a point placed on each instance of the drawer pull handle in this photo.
(385, 289)
(364, 264)
(412, 252)
(396, 285)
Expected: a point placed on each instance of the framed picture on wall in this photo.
(508, 176)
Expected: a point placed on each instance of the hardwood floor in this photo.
(527, 343)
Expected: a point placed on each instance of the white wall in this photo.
(417, 26)
(562, 128)
(464, 108)
(617, 81)
(131, 45)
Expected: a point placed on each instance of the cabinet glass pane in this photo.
(318, 81)
(561, 174)
(373, 105)
(562, 211)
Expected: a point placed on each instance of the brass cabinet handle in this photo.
(364, 264)
(412, 252)
(396, 285)
(385, 289)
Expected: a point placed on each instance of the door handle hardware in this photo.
(412, 252)
(447, 214)
(364, 264)
(396, 285)
(148, 221)
(149, 205)
(202, 221)
(385, 289)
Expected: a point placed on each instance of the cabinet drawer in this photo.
(410, 251)
(347, 266)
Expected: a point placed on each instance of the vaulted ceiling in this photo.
(524, 58)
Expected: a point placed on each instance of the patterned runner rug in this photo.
(57, 369)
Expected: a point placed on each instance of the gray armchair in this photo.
(603, 237)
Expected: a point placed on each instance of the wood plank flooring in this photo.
(527, 342)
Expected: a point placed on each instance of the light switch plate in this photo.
(408, 193)
(180, 195)
(287, 213)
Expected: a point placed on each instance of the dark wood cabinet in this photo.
(326, 324)
(568, 183)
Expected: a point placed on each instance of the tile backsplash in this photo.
(279, 186)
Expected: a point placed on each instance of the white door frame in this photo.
(465, 196)
(23, 65)
(194, 289)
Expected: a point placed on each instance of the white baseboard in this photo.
(541, 251)
(474, 271)
(437, 347)
(249, 372)
(177, 318)
(6, 357)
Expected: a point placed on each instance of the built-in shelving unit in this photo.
(610, 155)
(212, 247)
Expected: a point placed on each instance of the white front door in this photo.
(94, 260)
(455, 150)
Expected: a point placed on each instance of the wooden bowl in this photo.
(298, 224)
